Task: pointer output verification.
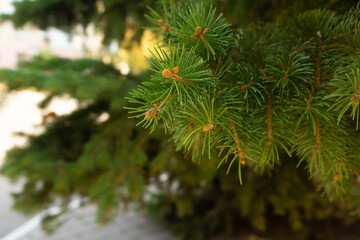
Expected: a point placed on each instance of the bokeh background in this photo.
(81, 169)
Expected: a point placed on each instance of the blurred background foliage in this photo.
(116, 164)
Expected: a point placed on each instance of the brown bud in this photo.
(356, 102)
(175, 70)
(198, 30)
(148, 114)
(208, 127)
(166, 73)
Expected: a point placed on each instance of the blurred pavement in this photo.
(80, 224)
(9, 219)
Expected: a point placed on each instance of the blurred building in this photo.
(19, 44)
(22, 44)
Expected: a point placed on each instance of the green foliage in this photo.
(177, 76)
(196, 26)
(49, 160)
(56, 163)
(84, 80)
(222, 206)
(63, 14)
(264, 98)
(66, 15)
(283, 85)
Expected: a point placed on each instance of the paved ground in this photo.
(80, 225)
(9, 219)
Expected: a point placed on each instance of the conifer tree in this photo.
(256, 104)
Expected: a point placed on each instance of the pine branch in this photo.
(279, 81)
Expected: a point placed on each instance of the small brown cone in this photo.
(175, 70)
(208, 127)
(166, 73)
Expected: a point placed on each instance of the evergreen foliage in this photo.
(278, 100)
(55, 163)
(67, 15)
(279, 89)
